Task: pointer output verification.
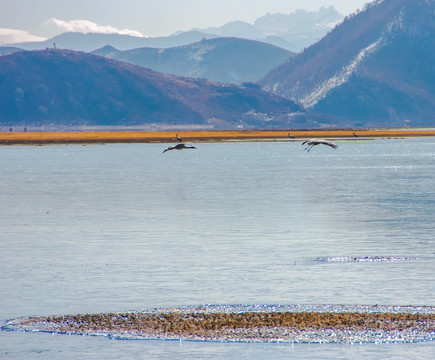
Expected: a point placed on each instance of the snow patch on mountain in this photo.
(341, 76)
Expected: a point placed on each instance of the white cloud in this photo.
(85, 26)
(10, 36)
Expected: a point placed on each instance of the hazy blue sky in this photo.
(45, 18)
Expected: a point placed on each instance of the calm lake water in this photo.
(100, 228)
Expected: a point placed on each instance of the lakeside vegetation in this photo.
(89, 137)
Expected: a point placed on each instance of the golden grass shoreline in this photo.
(95, 137)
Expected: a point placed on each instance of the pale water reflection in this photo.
(125, 227)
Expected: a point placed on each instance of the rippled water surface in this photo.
(125, 227)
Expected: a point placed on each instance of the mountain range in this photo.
(374, 69)
(92, 41)
(230, 60)
(292, 32)
(65, 88)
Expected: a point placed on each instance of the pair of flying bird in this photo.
(310, 143)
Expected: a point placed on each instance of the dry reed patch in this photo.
(215, 325)
(89, 137)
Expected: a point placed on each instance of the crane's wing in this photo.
(170, 148)
(189, 145)
(329, 143)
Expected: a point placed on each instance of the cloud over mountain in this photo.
(9, 36)
(86, 26)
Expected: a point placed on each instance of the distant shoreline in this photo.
(104, 137)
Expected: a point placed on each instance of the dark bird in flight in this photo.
(355, 134)
(178, 138)
(180, 146)
(314, 142)
(290, 136)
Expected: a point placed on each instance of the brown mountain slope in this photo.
(67, 88)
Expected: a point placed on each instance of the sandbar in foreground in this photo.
(328, 325)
